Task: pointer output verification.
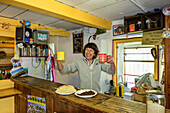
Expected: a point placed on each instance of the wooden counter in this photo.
(70, 104)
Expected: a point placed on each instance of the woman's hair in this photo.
(92, 46)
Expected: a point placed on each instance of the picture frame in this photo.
(78, 42)
(118, 29)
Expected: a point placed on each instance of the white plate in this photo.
(65, 93)
(85, 96)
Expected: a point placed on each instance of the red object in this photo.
(31, 40)
(132, 27)
(134, 89)
(102, 57)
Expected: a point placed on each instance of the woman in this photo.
(89, 67)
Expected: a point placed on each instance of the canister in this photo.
(155, 101)
(119, 90)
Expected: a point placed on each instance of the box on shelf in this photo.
(140, 98)
(40, 36)
(128, 96)
(132, 27)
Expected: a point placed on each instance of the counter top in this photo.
(99, 103)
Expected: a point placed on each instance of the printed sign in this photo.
(152, 38)
(36, 104)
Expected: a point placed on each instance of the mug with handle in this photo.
(103, 57)
(60, 55)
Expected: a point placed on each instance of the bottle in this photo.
(46, 51)
(148, 22)
(139, 25)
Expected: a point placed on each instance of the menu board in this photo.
(152, 37)
(78, 43)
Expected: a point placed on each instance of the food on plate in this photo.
(66, 89)
(86, 93)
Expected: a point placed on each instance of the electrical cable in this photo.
(37, 65)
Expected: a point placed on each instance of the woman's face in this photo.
(89, 53)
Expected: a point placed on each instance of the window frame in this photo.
(115, 43)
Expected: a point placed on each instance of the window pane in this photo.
(139, 68)
(142, 54)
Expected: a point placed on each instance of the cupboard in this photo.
(144, 22)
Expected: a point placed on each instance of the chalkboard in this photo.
(78, 41)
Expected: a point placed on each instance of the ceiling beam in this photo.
(60, 10)
(16, 23)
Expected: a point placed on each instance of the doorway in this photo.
(132, 60)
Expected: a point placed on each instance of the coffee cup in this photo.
(103, 57)
(60, 55)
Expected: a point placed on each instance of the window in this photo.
(132, 59)
(137, 61)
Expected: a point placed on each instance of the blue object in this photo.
(27, 24)
(26, 40)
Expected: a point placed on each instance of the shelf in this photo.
(32, 44)
(33, 56)
(33, 50)
(9, 92)
(149, 22)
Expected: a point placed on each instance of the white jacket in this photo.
(89, 79)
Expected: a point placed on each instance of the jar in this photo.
(139, 25)
(31, 40)
(155, 102)
(148, 24)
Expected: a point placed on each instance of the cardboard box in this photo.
(131, 27)
(128, 96)
(140, 98)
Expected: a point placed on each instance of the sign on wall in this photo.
(152, 37)
(78, 43)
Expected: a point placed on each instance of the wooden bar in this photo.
(70, 103)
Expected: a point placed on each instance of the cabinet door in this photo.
(167, 71)
(7, 105)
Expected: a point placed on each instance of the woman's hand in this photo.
(110, 59)
(55, 57)
(60, 66)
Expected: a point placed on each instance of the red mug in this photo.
(102, 57)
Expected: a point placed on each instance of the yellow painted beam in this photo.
(59, 10)
(16, 23)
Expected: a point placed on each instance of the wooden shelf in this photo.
(33, 50)
(9, 92)
(33, 44)
(33, 56)
(156, 22)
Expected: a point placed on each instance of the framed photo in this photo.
(78, 42)
(118, 29)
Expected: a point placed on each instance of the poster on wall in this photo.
(36, 104)
(78, 41)
(118, 29)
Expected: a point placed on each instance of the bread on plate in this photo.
(66, 89)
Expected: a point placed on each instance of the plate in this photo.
(65, 93)
(85, 96)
